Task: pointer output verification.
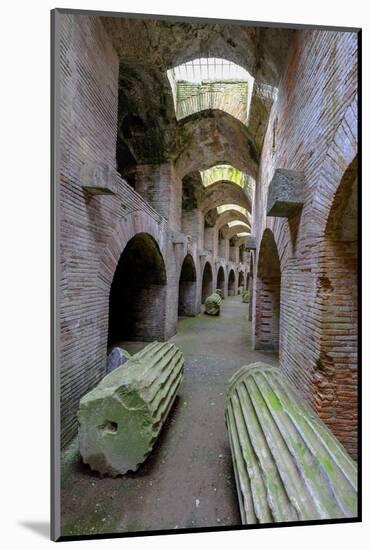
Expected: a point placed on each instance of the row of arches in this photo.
(137, 299)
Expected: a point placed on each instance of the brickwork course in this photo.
(142, 240)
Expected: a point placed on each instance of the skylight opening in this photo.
(210, 68)
(223, 172)
(237, 222)
(211, 83)
(226, 207)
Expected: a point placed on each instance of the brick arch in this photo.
(137, 297)
(188, 250)
(125, 229)
(128, 227)
(230, 215)
(231, 143)
(213, 99)
(233, 231)
(335, 380)
(223, 192)
(267, 294)
(335, 165)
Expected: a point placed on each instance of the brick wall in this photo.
(267, 319)
(94, 229)
(312, 129)
(230, 97)
(193, 224)
(161, 188)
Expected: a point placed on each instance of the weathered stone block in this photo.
(245, 296)
(288, 465)
(212, 304)
(250, 243)
(285, 193)
(121, 418)
(98, 178)
(179, 238)
(116, 358)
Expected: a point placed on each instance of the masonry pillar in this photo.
(193, 224)
(160, 186)
(209, 239)
(233, 253)
(222, 252)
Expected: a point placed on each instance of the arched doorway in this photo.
(187, 288)
(207, 282)
(267, 297)
(138, 292)
(336, 378)
(231, 283)
(220, 281)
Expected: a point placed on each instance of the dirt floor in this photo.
(188, 480)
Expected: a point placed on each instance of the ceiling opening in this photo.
(211, 83)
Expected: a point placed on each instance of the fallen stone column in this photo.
(288, 465)
(121, 418)
(245, 296)
(219, 292)
(212, 304)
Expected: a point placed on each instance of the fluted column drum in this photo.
(288, 465)
(212, 304)
(121, 418)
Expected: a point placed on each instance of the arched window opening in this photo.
(137, 295)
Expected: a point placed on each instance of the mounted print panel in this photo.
(206, 364)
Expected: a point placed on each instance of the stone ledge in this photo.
(286, 193)
(179, 238)
(250, 243)
(98, 178)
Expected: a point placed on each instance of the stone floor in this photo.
(188, 480)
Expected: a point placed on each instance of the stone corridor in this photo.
(196, 159)
(187, 482)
